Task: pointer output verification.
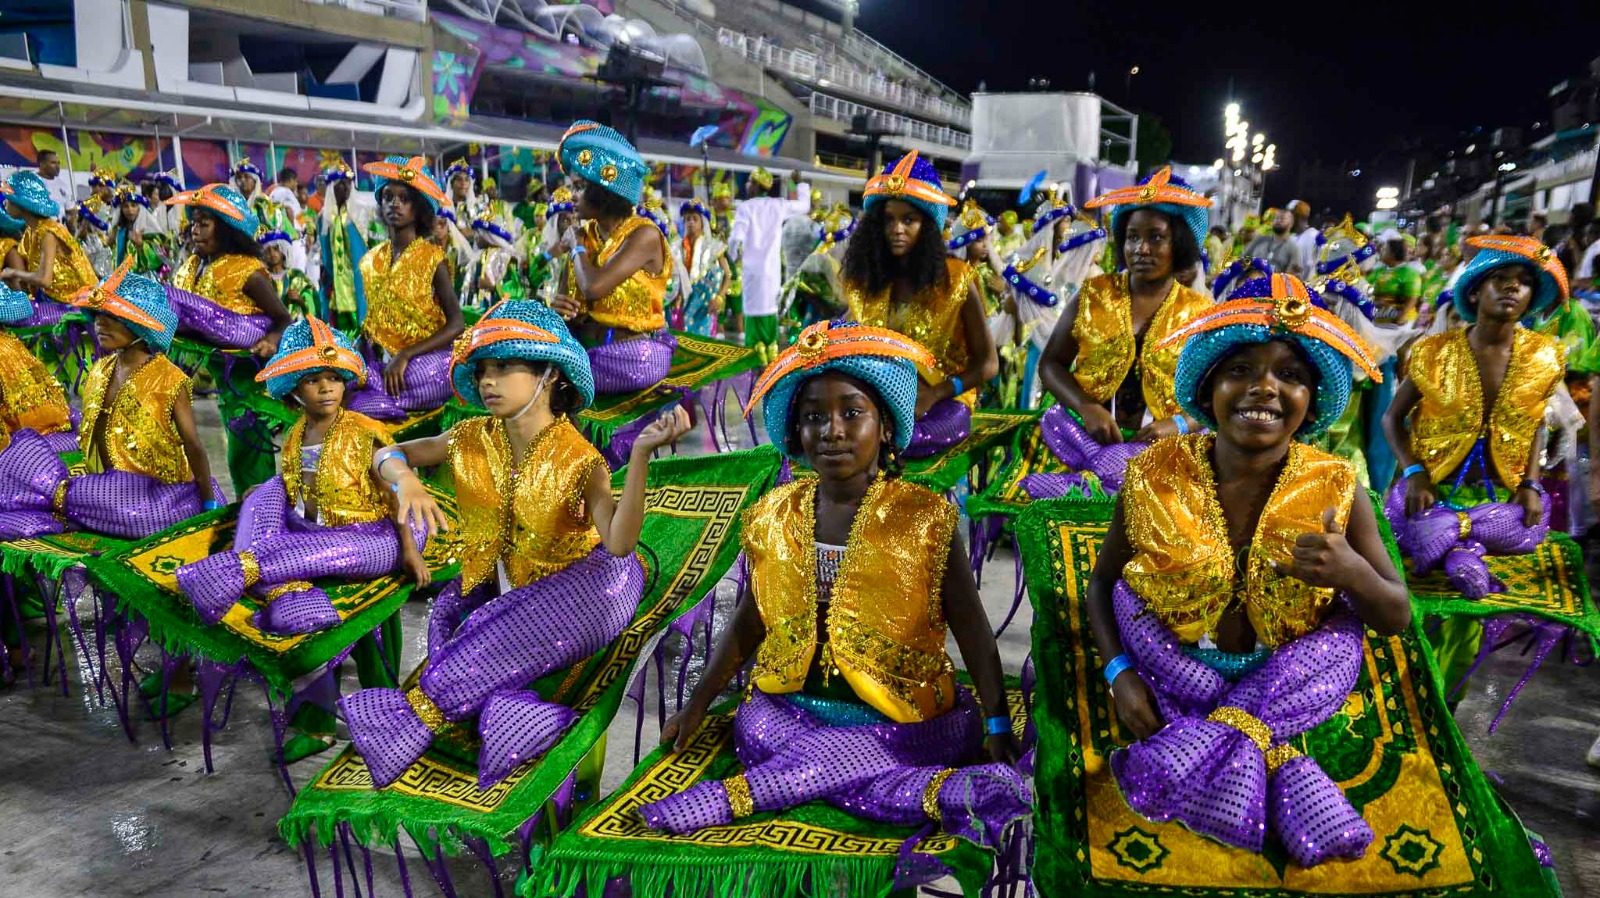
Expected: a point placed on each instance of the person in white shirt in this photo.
(283, 193)
(755, 241)
(1305, 237)
(59, 185)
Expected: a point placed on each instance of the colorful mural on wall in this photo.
(126, 154)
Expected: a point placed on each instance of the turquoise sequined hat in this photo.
(136, 301)
(413, 172)
(225, 202)
(28, 190)
(600, 155)
(914, 180)
(883, 359)
(1262, 310)
(307, 347)
(15, 306)
(519, 329)
(10, 227)
(1498, 251)
(1162, 191)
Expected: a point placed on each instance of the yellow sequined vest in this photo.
(1107, 350)
(1449, 419)
(221, 280)
(1183, 565)
(71, 271)
(885, 622)
(401, 308)
(140, 433)
(29, 394)
(7, 244)
(636, 303)
(346, 490)
(932, 318)
(532, 518)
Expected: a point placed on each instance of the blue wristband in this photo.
(211, 505)
(958, 387)
(996, 726)
(1182, 424)
(1412, 469)
(1115, 667)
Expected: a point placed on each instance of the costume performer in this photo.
(1232, 616)
(723, 211)
(898, 274)
(1107, 362)
(223, 293)
(755, 240)
(705, 267)
(814, 292)
(30, 396)
(547, 269)
(324, 515)
(855, 578)
(147, 468)
(247, 178)
(347, 215)
(496, 272)
(285, 259)
(93, 232)
(53, 266)
(1468, 422)
(412, 314)
(620, 262)
(139, 233)
(548, 571)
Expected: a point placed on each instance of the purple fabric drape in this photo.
(628, 366)
(427, 386)
(1078, 450)
(215, 325)
(1460, 541)
(945, 425)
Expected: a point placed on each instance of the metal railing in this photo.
(841, 110)
(862, 43)
(814, 69)
(412, 10)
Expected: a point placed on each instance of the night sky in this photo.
(1350, 90)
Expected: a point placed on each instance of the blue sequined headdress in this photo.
(228, 204)
(525, 330)
(413, 172)
(28, 190)
(10, 227)
(1164, 192)
(883, 359)
(15, 306)
(309, 346)
(136, 301)
(972, 225)
(912, 179)
(599, 155)
(1262, 310)
(1498, 251)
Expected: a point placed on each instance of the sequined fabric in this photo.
(71, 270)
(346, 492)
(1450, 416)
(879, 772)
(220, 279)
(932, 317)
(1208, 771)
(1080, 452)
(946, 424)
(483, 665)
(30, 472)
(628, 366)
(1183, 565)
(426, 387)
(30, 396)
(138, 433)
(46, 313)
(1108, 349)
(215, 324)
(401, 308)
(1459, 540)
(885, 621)
(531, 516)
(636, 303)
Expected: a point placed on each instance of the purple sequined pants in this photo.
(628, 366)
(288, 551)
(482, 655)
(1205, 772)
(116, 503)
(46, 312)
(215, 325)
(945, 425)
(879, 772)
(1079, 451)
(427, 386)
(1459, 541)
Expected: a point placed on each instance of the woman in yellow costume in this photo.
(899, 274)
(223, 293)
(49, 264)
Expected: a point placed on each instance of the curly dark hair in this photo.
(421, 207)
(607, 203)
(1185, 251)
(564, 397)
(889, 461)
(230, 240)
(869, 263)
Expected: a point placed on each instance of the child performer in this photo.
(138, 233)
(898, 274)
(705, 264)
(30, 396)
(854, 578)
(324, 515)
(223, 292)
(1231, 591)
(147, 468)
(49, 263)
(548, 572)
(1466, 424)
